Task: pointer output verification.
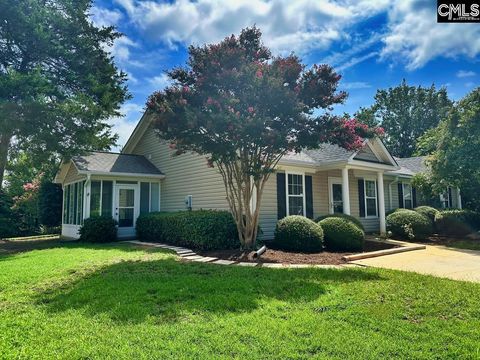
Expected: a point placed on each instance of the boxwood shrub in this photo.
(98, 229)
(409, 225)
(198, 229)
(457, 222)
(344, 216)
(298, 233)
(342, 234)
(428, 211)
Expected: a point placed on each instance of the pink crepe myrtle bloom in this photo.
(251, 109)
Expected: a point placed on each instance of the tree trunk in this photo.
(5, 139)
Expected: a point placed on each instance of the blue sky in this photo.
(372, 43)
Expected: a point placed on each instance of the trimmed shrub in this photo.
(298, 233)
(98, 229)
(343, 216)
(428, 211)
(409, 225)
(394, 210)
(457, 222)
(198, 229)
(342, 234)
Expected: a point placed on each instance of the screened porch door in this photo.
(126, 209)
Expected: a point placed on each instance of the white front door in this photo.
(336, 197)
(126, 209)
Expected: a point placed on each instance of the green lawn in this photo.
(466, 244)
(113, 301)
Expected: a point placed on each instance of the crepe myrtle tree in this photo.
(244, 109)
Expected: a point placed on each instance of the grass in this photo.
(114, 301)
(465, 244)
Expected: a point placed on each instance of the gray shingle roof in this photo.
(327, 153)
(115, 163)
(411, 166)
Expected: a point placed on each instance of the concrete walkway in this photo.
(439, 261)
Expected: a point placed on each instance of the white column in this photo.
(345, 192)
(381, 202)
(459, 198)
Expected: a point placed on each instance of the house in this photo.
(145, 177)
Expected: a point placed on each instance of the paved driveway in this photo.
(434, 260)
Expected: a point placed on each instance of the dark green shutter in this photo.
(400, 195)
(308, 197)
(281, 196)
(450, 199)
(361, 197)
(414, 197)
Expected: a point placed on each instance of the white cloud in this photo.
(355, 85)
(105, 17)
(356, 60)
(160, 82)
(124, 125)
(287, 26)
(465, 73)
(416, 38)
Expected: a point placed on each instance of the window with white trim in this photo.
(407, 196)
(445, 199)
(73, 203)
(370, 198)
(295, 194)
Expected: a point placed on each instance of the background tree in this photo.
(456, 142)
(58, 85)
(244, 109)
(406, 112)
(50, 204)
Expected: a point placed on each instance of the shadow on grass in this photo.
(169, 290)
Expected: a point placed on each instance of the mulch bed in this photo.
(284, 257)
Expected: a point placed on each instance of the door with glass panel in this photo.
(336, 196)
(126, 209)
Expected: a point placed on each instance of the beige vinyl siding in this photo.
(268, 208)
(366, 154)
(72, 175)
(185, 174)
(188, 174)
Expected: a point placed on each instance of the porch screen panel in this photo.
(95, 198)
(65, 204)
(71, 205)
(144, 197)
(107, 198)
(155, 197)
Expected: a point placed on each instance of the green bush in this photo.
(457, 222)
(342, 234)
(98, 229)
(198, 229)
(8, 221)
(428, 211)
(394, 210)
(298, 233)
(409, 225)
(343, 216)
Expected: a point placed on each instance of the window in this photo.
(154, 197)
(107, 198)
(370, 198)
(101, 198)
(445, 199)
(407, 196)
(295, 194)
(73, 203)
(144, 197)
